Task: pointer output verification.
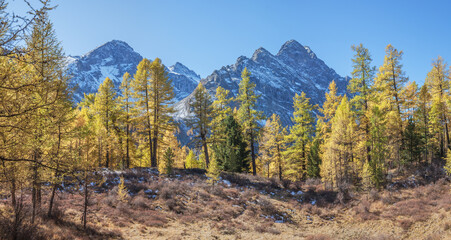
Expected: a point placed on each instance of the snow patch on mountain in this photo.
(294, 69)
(112, 60)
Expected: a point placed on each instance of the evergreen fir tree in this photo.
(231, 154)
(422, 116)
(376, 169)
(314, 159)
(412, 140)
(166, 164)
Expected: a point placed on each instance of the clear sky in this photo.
(206, 35)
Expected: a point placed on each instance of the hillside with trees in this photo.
(374, 162)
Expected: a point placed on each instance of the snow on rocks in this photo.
(293, 193)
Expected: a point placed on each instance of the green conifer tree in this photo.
(376, 169)
(231, 154)
(166, 164)
(422, 115)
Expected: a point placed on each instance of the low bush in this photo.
(318, 237)
(17, 226)
(140, 202)
(171, 189)
(266, 227)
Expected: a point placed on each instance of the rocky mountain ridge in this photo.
(112, 60)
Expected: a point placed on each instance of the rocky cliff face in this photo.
(295, 68)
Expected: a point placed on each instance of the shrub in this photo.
(171, 189)
(152, 218)
(17, 227)
(140, 202)
(175, 205)
(405, 224)
(57, 214)
(318, 237)
(387, 198)
(122, 192)
(110, 200)
(266, 227)
(447, 226)
(167, 162)
(373, 195)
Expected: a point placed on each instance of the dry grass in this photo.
(184, 206)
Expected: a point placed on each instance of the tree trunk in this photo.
(56, 174)
(204, 144)
(446, 131)
(153, 159)
(367, 125)
(85, 205)
(34, 192)
(52, 197)
(150, 145)
(13, 192)
(127, 157)
(254, 168)
(100, 152)
(279, 162)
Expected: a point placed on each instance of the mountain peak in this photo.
(179, 65)
(290, 46)
(112, 59)
(260, 53)
(179, 68)
(113, 45)
(310, 52)
(294, 50)
(117, 44)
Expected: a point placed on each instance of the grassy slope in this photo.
(244, 207)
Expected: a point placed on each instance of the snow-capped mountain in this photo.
(295, 68)
(112, 60)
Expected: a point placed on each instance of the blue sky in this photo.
(206, 35)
